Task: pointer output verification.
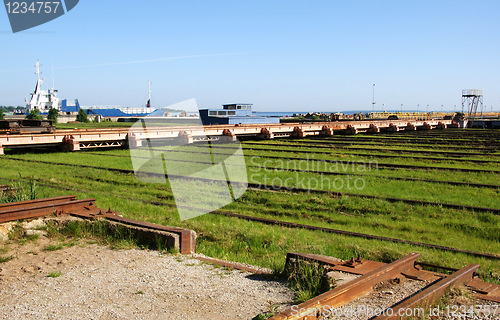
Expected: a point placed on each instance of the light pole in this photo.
(373, 98)
(401, 108)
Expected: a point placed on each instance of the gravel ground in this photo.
(100, 283)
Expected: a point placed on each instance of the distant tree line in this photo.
(10, 108)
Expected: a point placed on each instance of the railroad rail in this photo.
(86, 209)
(371, 273)
(261, 186)
(372, 155)
(330, 148)
(42, 207)
(455, 183)
(74, 140)
(297, 225)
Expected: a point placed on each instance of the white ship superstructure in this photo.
(40, 99)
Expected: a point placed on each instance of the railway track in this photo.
(37, 208)
(288, 224)
(371, 273)
(266, 168)
(446, 139)
(260, 186)
(369, 155)
(384, 142)
(366, 141)
(424, 290)
(296, 144)
(343, 162)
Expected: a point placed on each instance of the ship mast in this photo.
(38, 79)
(149, 94)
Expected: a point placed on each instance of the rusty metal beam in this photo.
(43, 208)
(347, 292)
(187, 237)
(4, 207)
(432, 293)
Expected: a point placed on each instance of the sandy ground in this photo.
(97, 282)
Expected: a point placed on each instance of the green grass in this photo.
(54, 274)
(5, 259)
(53, 247)
(308, 280)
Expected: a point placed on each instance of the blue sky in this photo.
(278, 55)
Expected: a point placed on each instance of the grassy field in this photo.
(265, 245)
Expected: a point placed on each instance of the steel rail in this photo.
(319, 146)
(363, 163)
(383, 141)
(296, 225)
(339, 296)
(431, 293)
(475, 145)
(356, 234)
(39, 209)
(260, 186)
(455, 183)
(371, 155)
(29, 203)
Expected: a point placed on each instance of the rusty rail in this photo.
(347, 292)
(375, 155)
(420, 301)
(87, 209)
(43, 207)
(296, 225)
(284, 188)
(430, 294)
(330, 173)
(373, 142)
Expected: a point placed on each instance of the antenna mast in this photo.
(149, 94)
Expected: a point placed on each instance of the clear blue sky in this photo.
(278, 55)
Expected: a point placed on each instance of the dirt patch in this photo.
(82, 280)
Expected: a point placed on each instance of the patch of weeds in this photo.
(32, 252)
(173, 250)
(273, 310)
(123, 244)
(20, 192)
(54, 274)
(53, 247)
(4, 250)
(5, 259)
(32, 237)
(263, 316)
(139, 292)
(52, 229)
(307, 280)
(456, 296)
(17, 232)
